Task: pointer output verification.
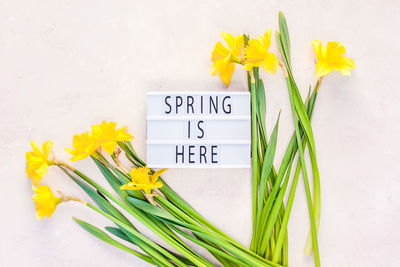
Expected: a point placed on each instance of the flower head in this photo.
(37, 161)
(256, 54)
(84, 145)
(331, 58)
(224, 58)
(45, 201)
(106, 135)
(142, 179)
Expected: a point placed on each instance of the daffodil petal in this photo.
(226, 74)
(270, 63)
(47, 147)
(219, 52)
(155, 176)
(266, 39)
(322, 69)
(229, 39)
(109, 147)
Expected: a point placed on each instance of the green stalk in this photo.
(271, 197)
(180, 214)
(148, 223)
(289, 205)
(316, 183)
(106, 238)
(159, 226)
(138, 235)
(317, 203)
(304, 172)
(282, 236)
(286, 161)
(106, 206)
(274, 214)
(200, 231)
(172, 196)
(254, 148)
(253, 261)
(298, 111)
(267, 166)
(210, 247)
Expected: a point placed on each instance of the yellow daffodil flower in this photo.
(142, 179)
(45, 201)
(256, 54)
(84, 145)
(224, 58)
(107, 135)
(331, 58)
(37, 161)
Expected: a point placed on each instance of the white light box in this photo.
(198, 130)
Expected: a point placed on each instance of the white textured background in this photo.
(65, 65)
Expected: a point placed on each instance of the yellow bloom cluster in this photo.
(105, 135)
(331, 58)
(256, 53)
(45, 201)
(224, 58)
(37, 162)
(143, 180)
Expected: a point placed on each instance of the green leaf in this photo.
(272, 218)
(214, 250)
(119, 233)
(153, 210)
(104, 237)
(261, 110)
(111, 179)
(302, 115)
(100, 200)
(267, 165)
(132, 231)
(284, 37)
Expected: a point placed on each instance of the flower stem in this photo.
(137, 234)
(304, 172)
(254, 148)
(147, 222)
(317, 187)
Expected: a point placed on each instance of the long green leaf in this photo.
(106, 206)
(121, 234)
(104, 237)
(299, 113)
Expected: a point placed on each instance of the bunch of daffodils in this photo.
(270, 185)
(142, 194)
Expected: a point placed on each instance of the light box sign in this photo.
(198, 130)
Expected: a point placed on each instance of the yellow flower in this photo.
(331, 58)
(142, 179)
(84, 145)
(37, 161)
(107, 135)
(256, 54)
(45, 201)
(224, 58)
